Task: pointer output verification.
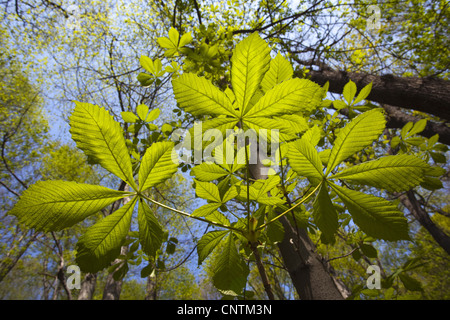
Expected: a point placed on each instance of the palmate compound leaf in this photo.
(102, 242)
(150, 231)
(375, 216)
(158, 164)
(101, 138)
(393, 173)
(55, 205)
(355, 136)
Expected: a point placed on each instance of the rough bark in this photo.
(397, 118)
(114, 287)
(312, 278)
(151, 288)
(429, 95)
(87, 288)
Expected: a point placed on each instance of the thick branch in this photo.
(429, 95)
(397, 118)
(412, 204)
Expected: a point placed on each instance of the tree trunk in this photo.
(114, 287)
(311, 277)
(412, 204)
(88, 287)
(397, 118)
(151, 290)
(429, 95)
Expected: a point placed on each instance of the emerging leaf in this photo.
(349, 91)
(55, 205)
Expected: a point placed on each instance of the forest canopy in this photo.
(205, 150)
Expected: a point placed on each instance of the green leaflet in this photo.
(150, 231)
(304, 159)
(393, 173)
(206, 209)
(199, 96)
(285, 128)
(349, 91)
(375, 216)
(101, 243)
(55, 205)
(208, 243)
(230, 271)
(280, 70)
(158, 164)
(208, 171)
(210, 213)
(324, 214)
(249, 63)
(355, 136)
(207, 191)
(288, 97)
(101, 138)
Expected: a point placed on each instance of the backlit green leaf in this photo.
(102, 242)
(158, 164)
(393, 173)
(150, 231)
(375, 216)
(208, 243)
(324, 214)
(199, 96)
(355, 136)
(100, 137)
(280, 70)
(230, 272)
(291, 96)
(249, 63)
(55, 205)
(304, 159)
